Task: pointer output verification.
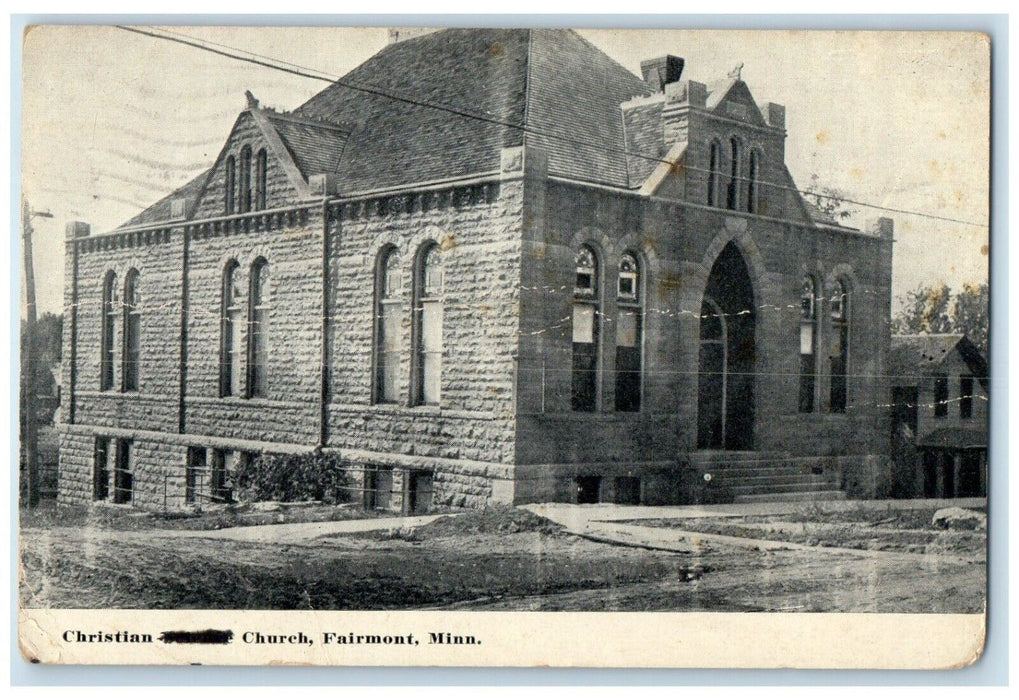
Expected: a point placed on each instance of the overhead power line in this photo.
(238, 54)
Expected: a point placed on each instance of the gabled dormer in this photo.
(721, 149)
(271, 159)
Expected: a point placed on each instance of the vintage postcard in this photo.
(509, 347)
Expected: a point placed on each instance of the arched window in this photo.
(428, 326)
(260, 166)
(584, 391)
(629, 334)
(735, 166)
(388, 333)
(753, 192)
(231, 332)
(111, 309)
(229, 185)
(839, 357)
(132, 332)
(808, 344)
(258, 337)
(244, 190)
(714, 173)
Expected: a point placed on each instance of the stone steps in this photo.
(766, 476)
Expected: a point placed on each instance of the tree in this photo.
(47, 345)
(972, 313)
(829, 201)
(932, 309)
(927, 310)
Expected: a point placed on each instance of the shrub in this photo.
(288, 477)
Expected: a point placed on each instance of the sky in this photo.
(113, 121)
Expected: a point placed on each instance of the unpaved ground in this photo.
(510, 560)
(863, 529)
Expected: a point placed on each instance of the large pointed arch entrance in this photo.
(725, 382)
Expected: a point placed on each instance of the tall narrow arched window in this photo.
(586, 311)
(244, 188)
(231, 332)
(260, 167)
(808, 344)
(428, 326)
(229, 185)
(839, 356)
(259, 304)
(629, 334)
(714, 173)
(754, 186)
(388, 331)
(111, 309)
(735, 166)
(132, 333)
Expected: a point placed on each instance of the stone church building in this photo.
(485, 266)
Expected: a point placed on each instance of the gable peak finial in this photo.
(737, 72)
(252, 100)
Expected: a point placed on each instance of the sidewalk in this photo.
(601, 523)
(567, 514)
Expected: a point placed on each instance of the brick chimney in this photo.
(661, 71)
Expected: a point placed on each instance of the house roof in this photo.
(912, 356)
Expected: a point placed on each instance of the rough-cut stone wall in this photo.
(159, 265)
(290, 410)
(280, 191)
(774, 201)
(466, 441)
(158, 467)
(679, 244)
(478, 229)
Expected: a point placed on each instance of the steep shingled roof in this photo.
(315, 148)
(563, 86)
(913, 356)
(160, 211)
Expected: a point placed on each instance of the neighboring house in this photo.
(939, 416)
(629, 302)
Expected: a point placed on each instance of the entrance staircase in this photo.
(763, 476)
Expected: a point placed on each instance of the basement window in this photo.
(123, 474)
(101, 469)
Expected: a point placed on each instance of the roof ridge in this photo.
(307, 120)
(527, 85)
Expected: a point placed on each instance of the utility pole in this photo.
(29, 416)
